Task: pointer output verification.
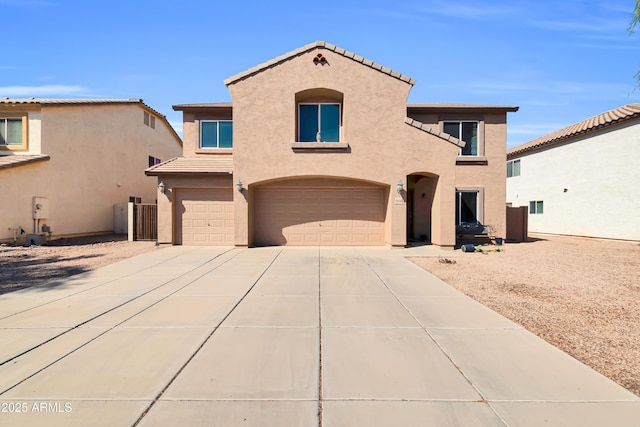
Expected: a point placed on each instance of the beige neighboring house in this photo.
(581, 180)
(65, 163)
(319, 147)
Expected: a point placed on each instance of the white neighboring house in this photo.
(583, 180)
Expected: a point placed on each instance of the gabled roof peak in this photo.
(315, 45)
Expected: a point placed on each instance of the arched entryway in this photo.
(319, 211)
(421, 190)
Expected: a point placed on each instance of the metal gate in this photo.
(145, 222)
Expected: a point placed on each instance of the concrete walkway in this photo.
(282, 337)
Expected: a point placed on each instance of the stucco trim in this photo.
(316, 45)
(321, 146)
(445, 136)
(472, 160)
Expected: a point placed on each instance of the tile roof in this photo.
(87, 101)
(419, 125)
(222, 164)
(61, 101)
(19, 160)
(202, 106)
(462, 107)
(603, 120)
(306, 48)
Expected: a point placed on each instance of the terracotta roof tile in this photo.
(306, 48)
(222, 164)
(19, 160)
(603, 120)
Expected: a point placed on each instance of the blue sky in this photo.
(559, 61)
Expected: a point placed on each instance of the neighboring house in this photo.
(319, 147)
(581, 180)
(76, 158)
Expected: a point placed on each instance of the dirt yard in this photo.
(23, 267)
(581, 295)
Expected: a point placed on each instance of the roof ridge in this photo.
(310, 46)
(599, 121)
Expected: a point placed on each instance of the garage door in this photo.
(204, 217)
(319, 216)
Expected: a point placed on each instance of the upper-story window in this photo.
(513, 168)
(319, 122)
(216, 134)
(149, 120)
(466, 131)
(13, 134)
(319, 115)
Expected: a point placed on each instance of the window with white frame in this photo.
(13, 132)
(216, 134)
(318, 122)
(466, 131)
(513, 168)
(536, 207)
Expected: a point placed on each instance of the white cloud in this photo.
(38, 91)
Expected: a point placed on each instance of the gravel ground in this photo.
(581, 295)
(23, 267)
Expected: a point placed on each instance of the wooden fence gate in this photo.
(145, 222)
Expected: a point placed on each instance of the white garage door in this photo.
(204, 217)
(319, 216)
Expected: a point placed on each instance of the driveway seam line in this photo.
(108, 329)
(202, 344)
(482, 396)
(97, 286)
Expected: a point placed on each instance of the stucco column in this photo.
(444, 213)
(165, 215)
(398, 208)
(241, 215)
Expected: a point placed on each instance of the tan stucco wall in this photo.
(383, 149)
(98, 157)
(491, 177)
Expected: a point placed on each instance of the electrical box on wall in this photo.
(40, 208)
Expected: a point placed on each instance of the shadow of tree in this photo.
(24, 271)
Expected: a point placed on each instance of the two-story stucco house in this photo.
(319, 147)
(581, 180)
(65, 163)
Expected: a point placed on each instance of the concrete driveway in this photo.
(282, 337)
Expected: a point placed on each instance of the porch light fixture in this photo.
(162, 187)
(239, 186)
(399, 186)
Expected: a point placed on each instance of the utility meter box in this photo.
(40, 208)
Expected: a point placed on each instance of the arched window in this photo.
(319, 115)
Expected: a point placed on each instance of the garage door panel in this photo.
(206, 217)
(320, 216)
